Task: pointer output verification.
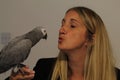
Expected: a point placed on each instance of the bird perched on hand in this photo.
(18, 49)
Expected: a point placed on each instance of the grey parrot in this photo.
(18, 49)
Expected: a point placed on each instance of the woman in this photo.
(85, 51)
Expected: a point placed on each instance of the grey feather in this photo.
(18, 49)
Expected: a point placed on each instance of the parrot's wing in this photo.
(13, 42)
(14, 55)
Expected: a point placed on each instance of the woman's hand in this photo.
(23, 74)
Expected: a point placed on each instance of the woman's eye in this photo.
(72, 26)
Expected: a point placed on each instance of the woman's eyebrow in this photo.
(74, 20)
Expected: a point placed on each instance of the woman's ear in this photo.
(90, 40)
(93, 37)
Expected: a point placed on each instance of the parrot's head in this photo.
(43, 30)
(40, 31)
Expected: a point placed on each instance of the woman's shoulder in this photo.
(47, 60)
(118, 73)
(44, 68)
(45, 63)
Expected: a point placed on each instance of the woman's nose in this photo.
(62, 30)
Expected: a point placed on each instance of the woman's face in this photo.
(73, 33)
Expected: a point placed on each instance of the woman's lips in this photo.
(60, 39)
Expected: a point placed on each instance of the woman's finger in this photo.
(23, 73)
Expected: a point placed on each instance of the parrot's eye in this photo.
(44, 31)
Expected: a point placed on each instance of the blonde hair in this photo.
(99, 60)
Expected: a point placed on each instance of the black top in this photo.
(44, 68)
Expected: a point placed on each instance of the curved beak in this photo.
(45, 37)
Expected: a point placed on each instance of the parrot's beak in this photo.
(45, 37)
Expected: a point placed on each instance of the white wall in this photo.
(20, 16)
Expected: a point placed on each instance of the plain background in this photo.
(20, 16)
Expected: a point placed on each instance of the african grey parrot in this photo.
(18, 49)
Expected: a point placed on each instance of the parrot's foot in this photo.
(17, 69)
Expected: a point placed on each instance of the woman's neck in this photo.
(76, 61)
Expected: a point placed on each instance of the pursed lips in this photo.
(60, 39)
